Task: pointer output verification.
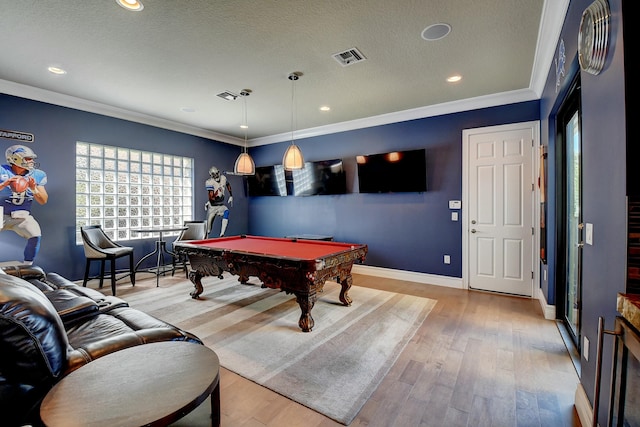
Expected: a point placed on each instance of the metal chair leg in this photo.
(102, 261)
(132, 270)
(86, 272)
(113, 276)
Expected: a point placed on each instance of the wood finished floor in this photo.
(479, 359)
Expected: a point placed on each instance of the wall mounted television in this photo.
(267, 181)
(316, 178)
(394, 172)
(319, 178)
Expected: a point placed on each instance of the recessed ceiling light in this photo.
(455, 78)
(56, 70)
(188, 110)
(134, 5)
(325, 108)
(244, 127)
(436, 32)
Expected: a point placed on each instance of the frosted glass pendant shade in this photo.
(244, 165)
(292, 158)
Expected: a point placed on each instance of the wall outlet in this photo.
(585, 348)
(447, 259)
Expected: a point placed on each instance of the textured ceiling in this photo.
(148, 66)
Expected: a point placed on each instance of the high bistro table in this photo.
(159, 250)
(152, 384)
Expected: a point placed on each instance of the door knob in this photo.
(473, 230)
(473, 221)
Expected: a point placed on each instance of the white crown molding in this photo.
(49, 97)
(553, 14)
(401, 116)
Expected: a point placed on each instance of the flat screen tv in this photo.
(319, 178)
(267, 181)
(394, 172)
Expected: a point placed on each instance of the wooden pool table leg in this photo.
(306, 303)
(196, 279)
(346, 285)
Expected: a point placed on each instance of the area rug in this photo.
(333, 370)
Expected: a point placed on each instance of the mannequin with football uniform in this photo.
(217, 186)
(21, 182)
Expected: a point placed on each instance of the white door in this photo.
(499, 194)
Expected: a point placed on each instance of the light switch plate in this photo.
(454, 216)
(588, 238)
(455, 204)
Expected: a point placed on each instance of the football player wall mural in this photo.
(217, 186)
(21, 182)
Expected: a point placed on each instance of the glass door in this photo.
(569, 202)
(573, 223)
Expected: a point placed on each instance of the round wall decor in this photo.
(593, 37)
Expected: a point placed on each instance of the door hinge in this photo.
(533, 231)
(532, 275)
(533, 187)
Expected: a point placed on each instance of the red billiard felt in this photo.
(292, 248)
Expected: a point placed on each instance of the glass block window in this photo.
(124, 190)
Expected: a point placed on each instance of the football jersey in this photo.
(13, 201)
(218, 189)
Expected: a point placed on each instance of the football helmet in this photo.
(21, 156)
(214, 173)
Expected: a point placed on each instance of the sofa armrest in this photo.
(82, 355)
(91, 351)
(105, 302)
(24, 271)
(33, 341)
(71, 307)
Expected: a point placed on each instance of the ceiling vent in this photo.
(228, 95)
(349, 57)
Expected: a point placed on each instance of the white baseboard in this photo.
(429, 279)
(549, 311)
(583, 406)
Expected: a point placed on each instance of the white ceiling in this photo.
(147, 66)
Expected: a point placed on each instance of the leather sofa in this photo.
(50, 326)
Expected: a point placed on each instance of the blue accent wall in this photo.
(404, 231)
(603, 187)
(56, 131)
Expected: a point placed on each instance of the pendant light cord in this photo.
(294, 117)
(246, 124)
(245, 121)
(293, 109)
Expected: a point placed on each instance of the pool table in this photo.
(296, 266)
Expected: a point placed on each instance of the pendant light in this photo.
(293, 158)
(244, 163)
(133, 5)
